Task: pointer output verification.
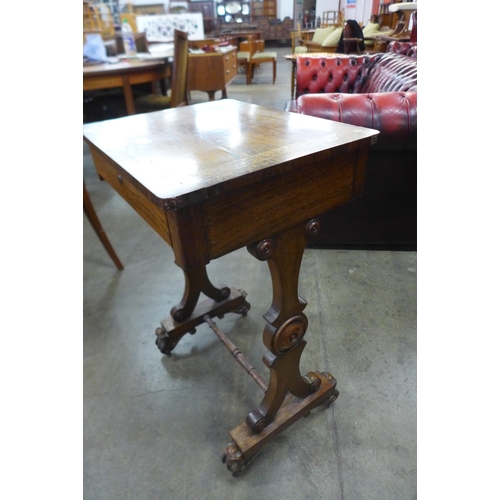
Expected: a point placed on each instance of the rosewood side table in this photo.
(214, 177)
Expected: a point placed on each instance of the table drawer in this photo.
(230, 66)
(154, 215)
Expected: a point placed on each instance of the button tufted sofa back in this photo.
(392, 73)
(356, 74)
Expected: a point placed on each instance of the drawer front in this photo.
(230, 66)
(147, 209)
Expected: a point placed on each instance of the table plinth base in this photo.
(239, 452)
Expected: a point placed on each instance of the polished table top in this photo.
(122, 66)
(198, 152)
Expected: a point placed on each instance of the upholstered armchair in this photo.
(323, 40)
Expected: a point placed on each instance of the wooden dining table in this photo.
(124, 74)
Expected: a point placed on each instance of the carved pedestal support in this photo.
(189, 313)
(287, 325)
(244, 444)
(288, 395)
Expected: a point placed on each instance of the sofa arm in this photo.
(393, 114)
(404, 48)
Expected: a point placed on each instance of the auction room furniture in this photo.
(124, 74)
(406, 12)
(377, 91)
(322, 40)
(212, 71)
(214, 177)
(300, 34)
(293, 59)
(256, 57)
(88, 209)
(179, 90)
(403, 48)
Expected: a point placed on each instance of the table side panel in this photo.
(96, 82)
(135, 75)
(154, 215)
(150, 75)
(250, 214)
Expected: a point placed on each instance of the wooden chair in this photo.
(90, 212)
(300, 42)
(352, 39)
(404, 11)
(141, 42)
(256, 58)
(179, 91)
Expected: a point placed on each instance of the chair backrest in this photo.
(141, 42)
(252, 45)
(352, 40)
(179, 92)
(244, 46)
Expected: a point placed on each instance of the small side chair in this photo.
(179, 91)
(256, 58)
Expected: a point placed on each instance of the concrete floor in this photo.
(155, 427)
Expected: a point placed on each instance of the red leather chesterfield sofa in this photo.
(377, 91)
(404, 48)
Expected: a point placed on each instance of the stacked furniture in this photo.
(377, 91)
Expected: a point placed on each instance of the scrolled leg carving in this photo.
(289, 334)
(196, 282)
(263, 249)
(286, 323)
(313, 227)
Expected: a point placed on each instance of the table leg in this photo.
(189, 313)
(129, 96)
(289, 394)
(90, 212)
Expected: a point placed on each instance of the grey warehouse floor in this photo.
(155, 426)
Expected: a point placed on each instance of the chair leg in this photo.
(249, 73)
(90, 212)
(274, 71)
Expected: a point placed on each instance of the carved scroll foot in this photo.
(246, 444)
(171, 331)
(234, 460)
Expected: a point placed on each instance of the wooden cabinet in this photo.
(207, 9)
(233, 11)
(264, 8)
(212, 71)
